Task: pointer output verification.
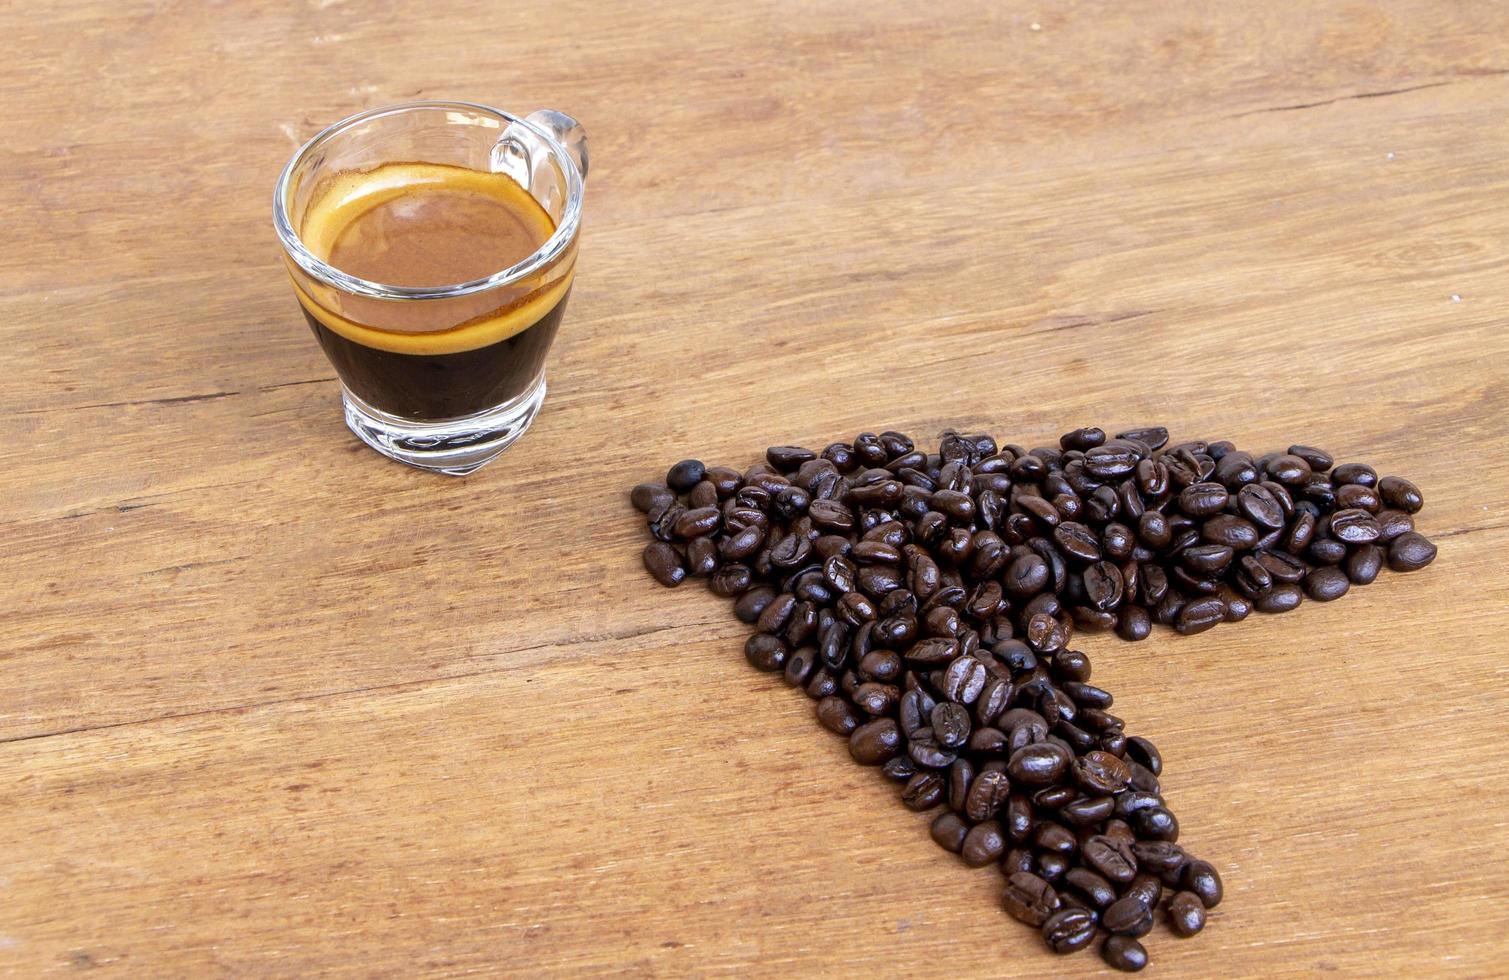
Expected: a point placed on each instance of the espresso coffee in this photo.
(427, 225)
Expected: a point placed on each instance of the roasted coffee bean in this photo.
(1201, 878)
(900, 768)
(1202, 499)
(963, 680)
(1145, 753)
(1095, 889)
(765, 653)
(1400, 494)
(1068, 930)
(1199, 615)
(1364, 564)
(1029, 899)
(923, 791)
(799, 666)
(1125, 914)
(836, 715)
(1156, 823)
(1077, 541)
(1281, 598)
(949, 832)
(1038, 764)
(662, 561)
(1351, 495)
(1410, 551)
(951, 724)
(1392, 523)
(924, 749)
(1087, 811)
(1112, 858)
(1145, 887)
(649, 496)
(1186, 913)
(984, 844)
(685, 475)
(1101, 773)
(1359, 473)
(1354, 526)
(872, 743)
(752, 603)
(1327, 583)
(1124, 953)
(987, 794)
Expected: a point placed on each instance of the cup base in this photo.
(455, 447)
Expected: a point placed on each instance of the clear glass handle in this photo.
(567, 132)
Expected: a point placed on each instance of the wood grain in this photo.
(271, 705)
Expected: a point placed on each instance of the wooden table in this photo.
(272, 705)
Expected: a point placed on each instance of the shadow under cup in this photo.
(440, 377)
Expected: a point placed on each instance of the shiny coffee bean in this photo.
(1029, 899)
(984, 844)
(1068, 930)
(1201, 878)
(949, 831)
(1410, 551)
(1124, 953)
(1327, 583)
(1186, 913)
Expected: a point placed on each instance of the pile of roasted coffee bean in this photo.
(926, 602)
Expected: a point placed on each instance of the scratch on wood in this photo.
(1339, 98)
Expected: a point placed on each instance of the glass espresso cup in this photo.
(440, 374)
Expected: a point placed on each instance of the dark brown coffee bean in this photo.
(1095, 889)
(1359, 473)
(1400, 494)
(837, 715)
(948, 831)
(1281, 598)
(1087, 811)
(1077, 541)
(963, 680)
(872, 743)
(1186, 913)
(1101, 773)
(662, 562)
(1125, 914)
(1038, 764)
(984, 844)
(1201, 878)
(1029, 899)
(752, 603)
(1327, 583)
(924, 749)
(800, 665)
(988, 792)
(1124, 953)
(1289, 469)
(1068, 930)
(649, 496)
(923, 791)
(1199, 615)
(1410, 552)
(1133, 623)
(685, 475)
(951, 724)
(1364, 564)
(1354, 526)
(1112, 858)
(1233, 532)
(1145, 887)
(1203, 499)
(1318, 459)
(1350, 495)
(1260, 506)
(1392, 523)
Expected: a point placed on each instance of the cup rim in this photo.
(328, 274)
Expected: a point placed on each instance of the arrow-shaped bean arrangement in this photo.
(926, 602)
